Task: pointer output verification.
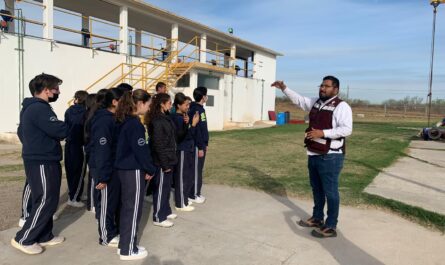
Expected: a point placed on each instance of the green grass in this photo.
(274, 160)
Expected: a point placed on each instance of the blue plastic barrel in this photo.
(281, 118)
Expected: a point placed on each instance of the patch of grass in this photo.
(11, 168)
(274, 160)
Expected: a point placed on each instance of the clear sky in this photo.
(380, 48)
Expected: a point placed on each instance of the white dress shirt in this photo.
(341, 119)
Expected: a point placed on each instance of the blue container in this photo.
(281, 118)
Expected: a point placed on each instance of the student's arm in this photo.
(200, 132)
(140, 147)
(343, 117)
(181, 129)
(46, 120)
(103, 150)
(304, 103)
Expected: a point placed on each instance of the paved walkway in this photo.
(417, 179)
(238, 226)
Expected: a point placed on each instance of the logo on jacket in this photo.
(53, 118)
(103, 141)
(141, 141)
(203, 116)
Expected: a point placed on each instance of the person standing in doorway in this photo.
(330, 122)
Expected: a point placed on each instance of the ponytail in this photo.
(127, 103)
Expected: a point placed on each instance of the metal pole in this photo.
(430, 94)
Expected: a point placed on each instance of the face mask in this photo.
(53, 98)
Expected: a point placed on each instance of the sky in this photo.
(379, 48)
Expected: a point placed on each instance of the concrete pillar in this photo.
(174, 42)
(86, 26)
(123, 33)
(138, 43)
(232, 56)
(48, 19)
(10, 6)
(203, 49)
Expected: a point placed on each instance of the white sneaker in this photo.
(84, 198)
(21, 222)
(55, 217)
(187, 208)
(75, 204)
(172, 216)
(165, 224)
(139, 248)
(114, 243)
(140, 255)
(198, 199)
(92, 210)
(31, 250)
(55, 241)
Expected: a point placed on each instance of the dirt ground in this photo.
(12, 179)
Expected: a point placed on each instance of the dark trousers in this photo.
(324, 171)
(75, 168)
(132, 197)
(150, 188)
(161, 195)
(106, 208)
(198, 168)
(26, 201)
(91, 192)
(44, 180)
(183, 178)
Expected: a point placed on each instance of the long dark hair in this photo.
(127, 103)
(155, 107)
(81, 97)
(180, 98)
(104, 100)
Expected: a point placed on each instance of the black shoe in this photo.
(324, 232)
(311, 222)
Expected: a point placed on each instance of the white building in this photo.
(94, 44)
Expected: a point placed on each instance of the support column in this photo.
(123, 33)
(86, 37)
(48, 19)
(203, 49)
(232, 56)
(10, 6)
(138, 43)
(174, 42)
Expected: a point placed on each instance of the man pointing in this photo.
(330, 122)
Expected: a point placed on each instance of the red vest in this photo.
(320, 118)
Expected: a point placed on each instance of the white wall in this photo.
(76, 66)
(265, 68)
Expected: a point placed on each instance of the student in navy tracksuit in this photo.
(184, 172)
(134, 166)
(74, 154)
(201, 141)
(90, 102)
(102, 130)
(40, 133)
(161, 130)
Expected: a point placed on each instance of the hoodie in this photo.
(133, 151)
(75, 119)
(40, 131)
(102, 144)
(185, 133)
(202, 132)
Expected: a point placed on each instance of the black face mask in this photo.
(54, 98)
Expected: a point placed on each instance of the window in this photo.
(184, 81)
(211, 82)
(210, 101)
